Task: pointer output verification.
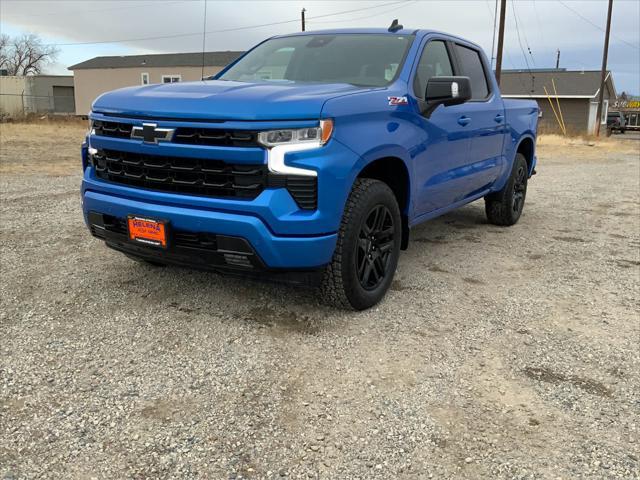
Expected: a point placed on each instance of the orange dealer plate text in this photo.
(148, 231)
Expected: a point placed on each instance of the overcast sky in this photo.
(125, 27)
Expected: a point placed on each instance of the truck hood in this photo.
(222, 100)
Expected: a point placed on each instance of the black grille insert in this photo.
(181, 174)
(218, 137)
(112, 129)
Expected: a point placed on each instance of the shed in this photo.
(36, 94)
(576, 91)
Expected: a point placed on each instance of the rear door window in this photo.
(471, 65)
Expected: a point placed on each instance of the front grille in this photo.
(196, 176)
(215, 137)
(213, 178)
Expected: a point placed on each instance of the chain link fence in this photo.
(15, 105)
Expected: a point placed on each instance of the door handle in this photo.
(499, 118)
(464, 120)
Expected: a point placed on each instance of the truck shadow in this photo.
(449, 227)
(281, 308)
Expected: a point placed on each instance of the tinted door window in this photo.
(471, 65)
(434, 62)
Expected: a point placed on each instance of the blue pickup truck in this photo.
(309, 159)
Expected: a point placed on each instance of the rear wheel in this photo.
(505, 207)
(367, 250)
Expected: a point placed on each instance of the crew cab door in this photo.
(487, 122)
(444, 141)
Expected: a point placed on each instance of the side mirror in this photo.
(446, 91)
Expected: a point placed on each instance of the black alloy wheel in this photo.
(519, 189)
(374, 247)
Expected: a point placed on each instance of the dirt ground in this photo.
(498, 353)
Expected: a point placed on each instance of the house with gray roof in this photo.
(102, 74)
(576, 92)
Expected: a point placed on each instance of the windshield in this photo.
(369, 60)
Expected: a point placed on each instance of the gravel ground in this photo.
(498, 353)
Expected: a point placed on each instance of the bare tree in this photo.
(4, 54)
(25, 55)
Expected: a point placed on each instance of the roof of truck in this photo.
(337, 31)
(405, 31)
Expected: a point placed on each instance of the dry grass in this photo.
(46, 119)
(26, 147)
(589, 147)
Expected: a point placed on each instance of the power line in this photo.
(493, 16)
(513, 67)
(524, 33)
(178, 35)
(359, 9)
(540, 35)
(515, 17)
(493, 40)
(596, 26)
(405, 2)
(524, 55)
(235, 29)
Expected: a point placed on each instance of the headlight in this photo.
(321, 135)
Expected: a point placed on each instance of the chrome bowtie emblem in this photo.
(150, 133)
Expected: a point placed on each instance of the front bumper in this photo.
(271, 251)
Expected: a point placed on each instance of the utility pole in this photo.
(493, 37)
(603, 75)
(302, 18)
(558, 59)
(503, 9)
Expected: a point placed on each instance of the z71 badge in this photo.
(398, 101)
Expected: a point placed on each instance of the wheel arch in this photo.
(393, 171)
(527, 146)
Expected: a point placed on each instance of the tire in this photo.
(505, 207)
(367, 250)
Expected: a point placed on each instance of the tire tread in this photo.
(332, 287)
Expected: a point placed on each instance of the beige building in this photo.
(102, 74)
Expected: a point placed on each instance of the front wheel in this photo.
(505, 207)
(367, 250)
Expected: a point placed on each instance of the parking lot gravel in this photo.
(498, 353)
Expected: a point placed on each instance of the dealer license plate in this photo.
(147, 231)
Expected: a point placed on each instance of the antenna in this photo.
(395, 26)
(204, 38)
